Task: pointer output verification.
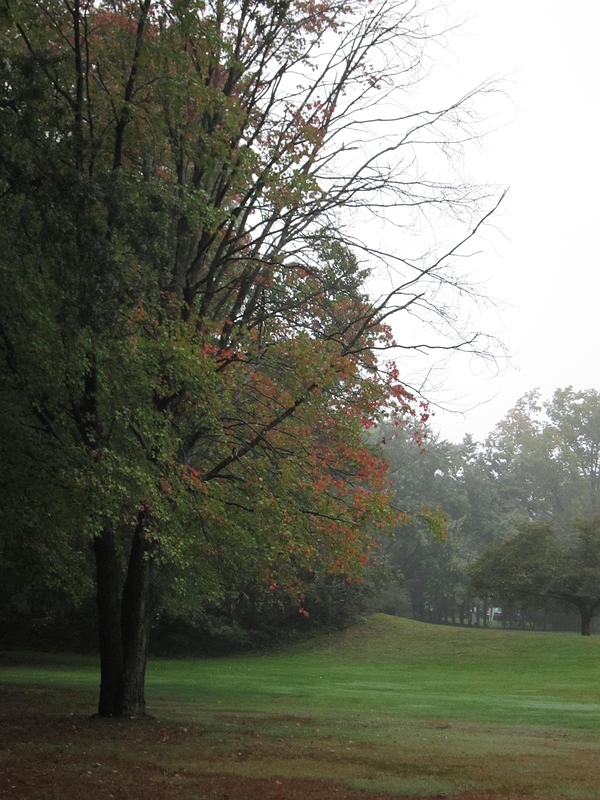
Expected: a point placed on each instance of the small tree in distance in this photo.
(536, 564)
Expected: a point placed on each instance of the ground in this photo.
(47, 756)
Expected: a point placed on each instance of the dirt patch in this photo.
(47, 756)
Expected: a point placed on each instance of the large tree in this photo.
(190, 353)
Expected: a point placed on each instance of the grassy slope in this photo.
(391, 705)
(397, 667)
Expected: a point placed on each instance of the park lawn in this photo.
(390, 707)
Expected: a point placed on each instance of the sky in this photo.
(540, 260)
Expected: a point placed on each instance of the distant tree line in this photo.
(523, 531)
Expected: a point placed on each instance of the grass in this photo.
(392, 707)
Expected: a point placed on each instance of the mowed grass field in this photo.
(391, 707)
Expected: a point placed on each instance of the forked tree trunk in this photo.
(124, 616)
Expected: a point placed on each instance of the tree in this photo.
(575, 419)
(452, 500)
(422, 475)
(536, 564)
(544, 455)
(190, 352)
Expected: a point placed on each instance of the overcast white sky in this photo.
(545, 266)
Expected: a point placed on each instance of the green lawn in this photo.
(391, 706)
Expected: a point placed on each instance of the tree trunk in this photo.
(108, 594)
(135, 622)
(124, 616)
(586, 620)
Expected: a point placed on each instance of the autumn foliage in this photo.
(174, 179)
